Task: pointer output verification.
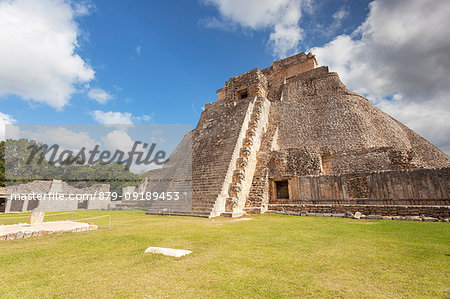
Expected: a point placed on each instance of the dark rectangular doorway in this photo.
(282, 189)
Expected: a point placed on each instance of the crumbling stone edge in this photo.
(361, 216)
(28, 234)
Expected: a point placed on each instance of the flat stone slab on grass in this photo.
(25, 230)
(168, 251)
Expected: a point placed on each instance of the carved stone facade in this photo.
(297, 127)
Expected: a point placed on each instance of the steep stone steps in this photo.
(258, 197)
(245, 165)
(217, 140)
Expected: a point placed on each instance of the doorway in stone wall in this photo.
(16, 205)
(2, 205)
(82, 204)
(32, 204)
(243, 94)
(281, 189)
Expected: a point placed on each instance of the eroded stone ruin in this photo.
(54, 196)
(292, 138)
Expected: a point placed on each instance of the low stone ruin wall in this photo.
(69, 198)
(417, 192)
(438, 212)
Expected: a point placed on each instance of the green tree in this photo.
(22, 166)
(20, 163)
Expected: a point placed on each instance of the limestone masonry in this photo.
(292, 138)
(25, 197)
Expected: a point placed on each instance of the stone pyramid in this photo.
(292, 138)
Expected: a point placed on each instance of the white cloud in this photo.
(112, 118)
(120, 140)
(38, 43)
(143, 118)
(62, 136)
(281, 16)
(83, 7)
(118, 118)
(5, 119)
(99, 95)
(138, 50)
(401, 49)
(338, 17)
(118, 88)
(341, 14)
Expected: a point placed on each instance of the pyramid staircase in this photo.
(230, 199)
(245, 164)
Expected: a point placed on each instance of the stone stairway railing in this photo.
(245, 165)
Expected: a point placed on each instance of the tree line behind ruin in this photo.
(16, 168)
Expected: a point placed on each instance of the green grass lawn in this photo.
(269, 256)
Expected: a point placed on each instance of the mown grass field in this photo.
(269, 256)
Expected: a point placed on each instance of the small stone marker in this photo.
(168, 251)
(357, 215)
(36, 218)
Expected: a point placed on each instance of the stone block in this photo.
(168, 251)
(36, 218)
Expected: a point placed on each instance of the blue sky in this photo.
(161, 61)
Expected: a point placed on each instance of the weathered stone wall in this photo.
(423, 184)
(422, 191)
(51, 205)
(282, 70)
(293, 162)
(38, 187)
(317, 113)
(370, 159)
(215, 149)
(401, 212)
(254, 83)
